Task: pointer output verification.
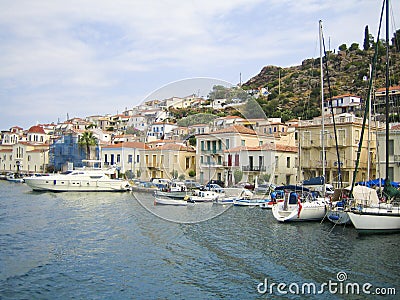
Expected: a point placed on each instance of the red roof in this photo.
(390, 88)
(36, 129)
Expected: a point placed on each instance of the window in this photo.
(105, 158)
(357, 136)
(137, 158)
(118, 158)
(243, 143)
(202, 145)
(187, 162)
(130, 158)
(342, 137)
(276, 161)
(391, 148)
(227, 144)
(288, 162)
(236, 160)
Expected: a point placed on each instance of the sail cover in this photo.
(364, 195)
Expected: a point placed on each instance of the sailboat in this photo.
(382, 216)
(300, 204)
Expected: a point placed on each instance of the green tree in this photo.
(367, 43)
(354, 47)
(237, 174)
(343, 47)
(87, 140)
(396, 40)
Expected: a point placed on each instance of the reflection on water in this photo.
(107, 246)
(198, 212)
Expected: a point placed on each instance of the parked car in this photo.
(216, 181)
(246, 185)
(192, 185)
(214, 187)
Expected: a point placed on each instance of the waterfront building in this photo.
(25, 154)
(394, 153)
(349, 129)
(169, 160)
(212, 162)
(66, 150)
(127, 157)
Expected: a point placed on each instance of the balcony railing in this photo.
(212, 151)
(254, 168)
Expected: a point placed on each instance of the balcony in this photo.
(254, 168)
(211, 165)
(212, 151)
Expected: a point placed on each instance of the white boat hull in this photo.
(375, 220)
(165, 201)
(175, 195)
(310, 211)
(249, 202)
(75, 185)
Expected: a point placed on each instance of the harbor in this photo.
(109, 246)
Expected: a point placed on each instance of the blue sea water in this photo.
(110, 246)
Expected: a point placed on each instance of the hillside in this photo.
(297, 92)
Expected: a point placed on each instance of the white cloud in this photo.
(92, 51)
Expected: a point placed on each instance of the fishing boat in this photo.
(225, 200)
(78, 181)
(384, 217)
(206, 196)
(299, 204)
(250, 202)
(175, 190)
(170, 201)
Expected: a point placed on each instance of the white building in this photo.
(125, 156)
(343, 104)
(159, 130)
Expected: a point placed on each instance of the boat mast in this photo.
(369, 131)
(387, 94)
(322, 106)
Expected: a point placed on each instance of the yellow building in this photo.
(169, 161)
(348, 128)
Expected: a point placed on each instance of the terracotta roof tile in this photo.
(236, 129)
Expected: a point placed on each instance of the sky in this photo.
(81, 58)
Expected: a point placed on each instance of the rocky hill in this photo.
(295, 91)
